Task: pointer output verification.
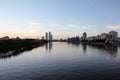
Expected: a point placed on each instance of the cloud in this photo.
(113, 27)
(64, 30)
(68, 26)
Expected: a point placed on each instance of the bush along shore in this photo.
(23, 44)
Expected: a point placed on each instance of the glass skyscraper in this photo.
(49, 36)
(46, 36)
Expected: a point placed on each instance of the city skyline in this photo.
(31, 19)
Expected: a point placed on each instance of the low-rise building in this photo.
(104, 36)
(92, 38)
(5, 38)
(17, 38)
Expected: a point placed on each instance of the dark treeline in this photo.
(98, 40)
(10, 45)
(74, 39)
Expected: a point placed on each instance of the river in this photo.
(62, 61)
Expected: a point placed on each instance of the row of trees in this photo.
(8, 45)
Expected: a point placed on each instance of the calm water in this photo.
(62, 61)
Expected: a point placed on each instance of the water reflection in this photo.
(73, 44)
(46, 46)
(66, 62)
(84, 47)
(49, 46)
(13, 53)
(112, 50)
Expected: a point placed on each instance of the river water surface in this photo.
(63, 61)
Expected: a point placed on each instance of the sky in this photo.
(64, 18)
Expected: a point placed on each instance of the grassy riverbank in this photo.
(9, 45)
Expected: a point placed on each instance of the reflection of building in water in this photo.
(73, 44)
(48, 46)
(111, 51)
(84, 46)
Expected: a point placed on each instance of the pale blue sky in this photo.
(64, 18)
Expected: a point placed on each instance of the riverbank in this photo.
(101, 43)
(10, 45)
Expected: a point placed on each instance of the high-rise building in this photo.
(84, 36)
(50, 36)
(114, 35)
(46, 36)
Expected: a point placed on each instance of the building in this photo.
(5, 38)
(17, 38)
(74, 39)
(84, 37)
(98, 37)
(104, 36)
(92, 38)
(119, 39)
(50, 36)
(114, 35)
(42, 37)
(46, 36)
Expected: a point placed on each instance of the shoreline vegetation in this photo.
(9, 48)
(93, 42)
(19, 45)
(101, 42)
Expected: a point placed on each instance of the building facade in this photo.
(114, 35)
(104, 36)
(5, 38)
(46, 36)
(92, 38)
(50, 36)
(84, 37)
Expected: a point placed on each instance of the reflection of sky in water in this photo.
(62, 59)
(67, 50)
